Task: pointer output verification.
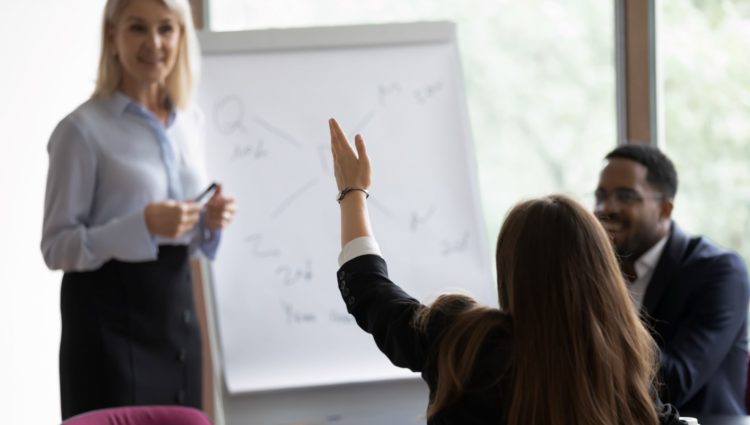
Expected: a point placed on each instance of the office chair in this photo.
(141, 415)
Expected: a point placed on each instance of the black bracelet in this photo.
(346, 190)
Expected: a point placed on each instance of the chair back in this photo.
(141, 415)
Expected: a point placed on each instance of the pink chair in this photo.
(141, 415)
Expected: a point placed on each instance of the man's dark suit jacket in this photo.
(697, 305)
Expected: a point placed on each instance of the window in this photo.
(706, 92)
(539, 79)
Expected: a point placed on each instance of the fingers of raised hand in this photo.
(333, 138)
(361, 150)
(339, 141)
(364, 172)
(351, 167)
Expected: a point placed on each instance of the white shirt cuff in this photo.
(357, 247)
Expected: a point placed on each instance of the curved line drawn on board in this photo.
(291, 198)
(276, 131)
(456, 246)
(229, 115)
(418, 219)
(255, 241)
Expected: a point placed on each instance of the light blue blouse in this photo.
(108, 159)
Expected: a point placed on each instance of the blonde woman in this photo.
(120, 222)
(566, 347)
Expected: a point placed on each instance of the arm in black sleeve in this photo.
(384, 310)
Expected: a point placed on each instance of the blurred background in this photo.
(541, 84)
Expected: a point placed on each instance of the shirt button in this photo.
(182, 355)
(350, 301)
(187, 317)
(345, 291)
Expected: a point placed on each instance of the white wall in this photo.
(48, 54)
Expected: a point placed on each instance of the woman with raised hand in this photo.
(566, 347)
(121, 219)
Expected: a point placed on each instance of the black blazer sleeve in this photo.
(384, 310)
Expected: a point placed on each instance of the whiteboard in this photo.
(267, 96)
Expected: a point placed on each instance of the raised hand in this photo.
(352, 169)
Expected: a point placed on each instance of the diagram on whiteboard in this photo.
(281, 320)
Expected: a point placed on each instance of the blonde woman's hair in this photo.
(180, 82)
(580, 354)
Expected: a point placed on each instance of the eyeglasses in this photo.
(623, 196)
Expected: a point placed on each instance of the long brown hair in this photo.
(580, 354)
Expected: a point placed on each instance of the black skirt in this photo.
(130, 335)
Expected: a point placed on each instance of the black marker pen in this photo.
(205, 193)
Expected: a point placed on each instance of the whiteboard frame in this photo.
(276, 39)
(320, 38)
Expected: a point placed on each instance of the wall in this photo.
(48, 50)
